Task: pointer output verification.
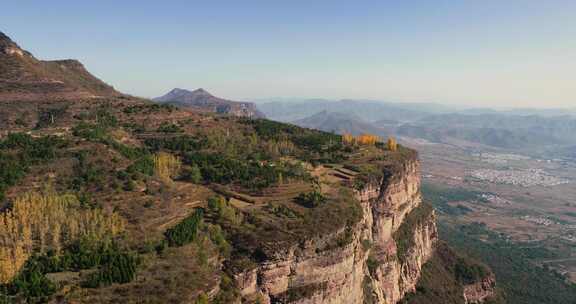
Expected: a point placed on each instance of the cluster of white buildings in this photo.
(524, 178)
(538, 220)
(499, 158)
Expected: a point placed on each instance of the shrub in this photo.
(169, 128)
(127, 151)
(223, 211)
(130, 185)
(184, 143)
(32, 283)
(202, 299)
(282, 211)
(192, 174)
(311, 199)
(218, 238)
(106, 119)
(372, 264)
(11, 171)
(144, 165)
(228, 291)
(119, 268)
(19, 151)
(469, 273)
(185, 231)
(89, 131)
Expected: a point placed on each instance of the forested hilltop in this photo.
(119, 198)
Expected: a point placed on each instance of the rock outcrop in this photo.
(373, 267)
(481, 291)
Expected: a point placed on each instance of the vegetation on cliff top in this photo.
(107, 165)
(148, 200)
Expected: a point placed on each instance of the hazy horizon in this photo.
(517, 54)
(408, 102)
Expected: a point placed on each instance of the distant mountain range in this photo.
(525, 129)
(289, 109)
(201, 100)
(339, 123)
(370, 111)
(499, 130)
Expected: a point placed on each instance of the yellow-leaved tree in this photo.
(38, 222)
(367, 139)
(348, 138)
(391, 144)
(166, 166)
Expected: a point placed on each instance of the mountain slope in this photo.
(201, 100)
(23, 77)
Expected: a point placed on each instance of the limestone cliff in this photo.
(373, 267)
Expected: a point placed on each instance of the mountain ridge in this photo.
(339, 123)
(202, 100)
(24, 77)
(367, 110)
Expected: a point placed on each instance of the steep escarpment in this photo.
(404, 233)
(380, 264)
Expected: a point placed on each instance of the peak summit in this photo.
(4, 38)
(200, 91)
(178, 94)
(184, 92)
(8, 46)
(202, 100)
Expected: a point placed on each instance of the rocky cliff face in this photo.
(373, 267)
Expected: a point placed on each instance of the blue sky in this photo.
(484, 53)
